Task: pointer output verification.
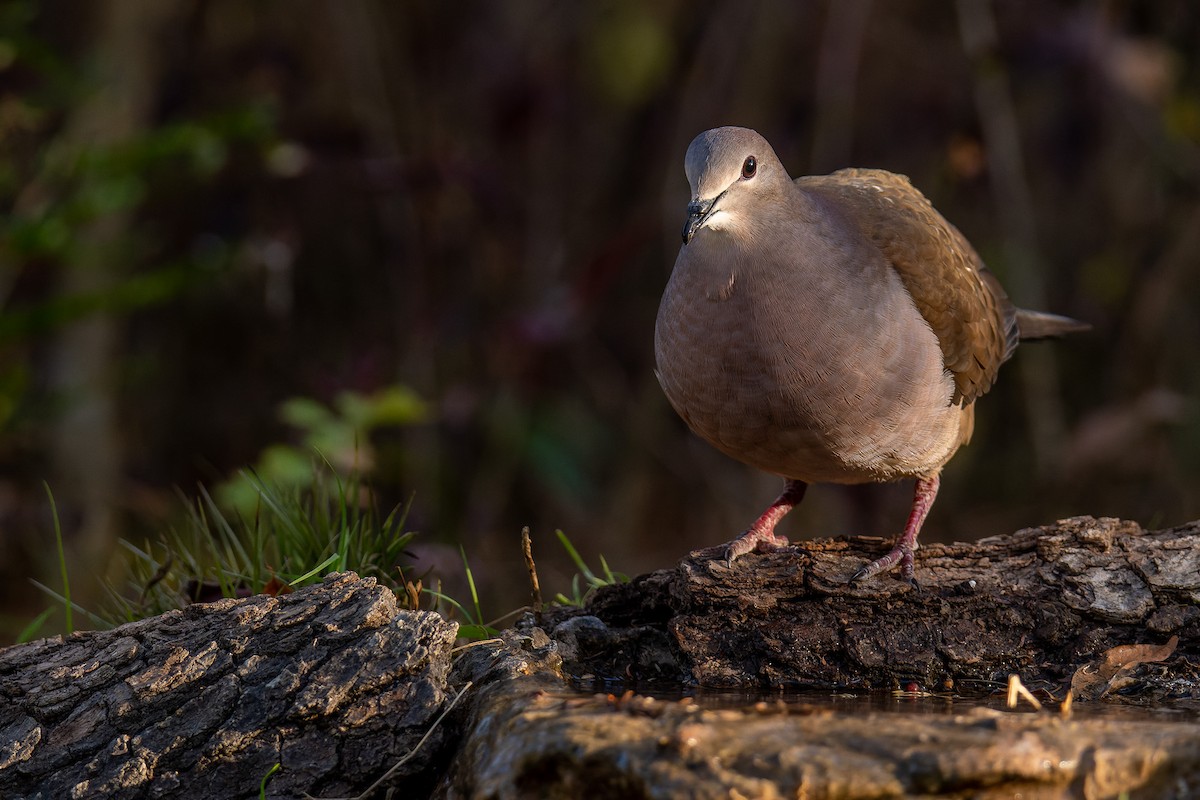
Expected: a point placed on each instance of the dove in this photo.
(829, 329)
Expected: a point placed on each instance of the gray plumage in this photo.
(831, 329)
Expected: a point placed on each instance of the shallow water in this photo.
(902, 702)
(947, 704)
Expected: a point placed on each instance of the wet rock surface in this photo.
(545, 744)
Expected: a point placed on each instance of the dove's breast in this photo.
(807, 359)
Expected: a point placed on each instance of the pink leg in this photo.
(761, 535)
(923, 497)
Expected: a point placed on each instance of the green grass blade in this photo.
(574, 554)
(97, 620)
(30, 631)
(262, 786)
(609, 577)
(62, 560)
(315, 570)
(223, 544)
(471, 583)
(342, 505)
(476, 632)
(461, 609)
(293, 534)
(265, 494)
(137, 551)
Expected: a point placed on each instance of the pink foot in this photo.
(761, 536)
(751, 541)
(903, 553)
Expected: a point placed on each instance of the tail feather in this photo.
(1040, 325)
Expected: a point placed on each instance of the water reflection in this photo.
(902, 702)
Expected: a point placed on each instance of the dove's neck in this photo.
(784, 247)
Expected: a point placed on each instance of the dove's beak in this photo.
(698, 211)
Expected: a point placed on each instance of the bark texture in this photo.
(1082, 597)
(526, 742)
(338, 685)
(1040, 603)
(334, 682)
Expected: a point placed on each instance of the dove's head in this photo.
(730, 169)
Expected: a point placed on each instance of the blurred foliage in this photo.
(339, 436)
(481, 201)
(69, 187)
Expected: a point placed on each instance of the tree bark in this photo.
(338, 685)
(1039, 603)
(334, 683)
(524, 739)
(1072, 599)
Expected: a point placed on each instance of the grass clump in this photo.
(294, 536)
(585, 581)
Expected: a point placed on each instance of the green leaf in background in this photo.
(341, 436)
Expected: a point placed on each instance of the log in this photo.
(341, 687)
(1041, 603)
(334, 682)
(1085, 596)
(525, 739)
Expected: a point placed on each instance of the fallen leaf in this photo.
(1092, 681)
(276, 587)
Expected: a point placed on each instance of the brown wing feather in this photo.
(961, 300)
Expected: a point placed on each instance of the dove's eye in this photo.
(749, 167)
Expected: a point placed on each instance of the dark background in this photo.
(212, 206)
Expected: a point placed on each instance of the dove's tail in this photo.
(1040, 325)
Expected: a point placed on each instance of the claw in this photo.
(761, 535)
(754, 541)
(902, 553)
